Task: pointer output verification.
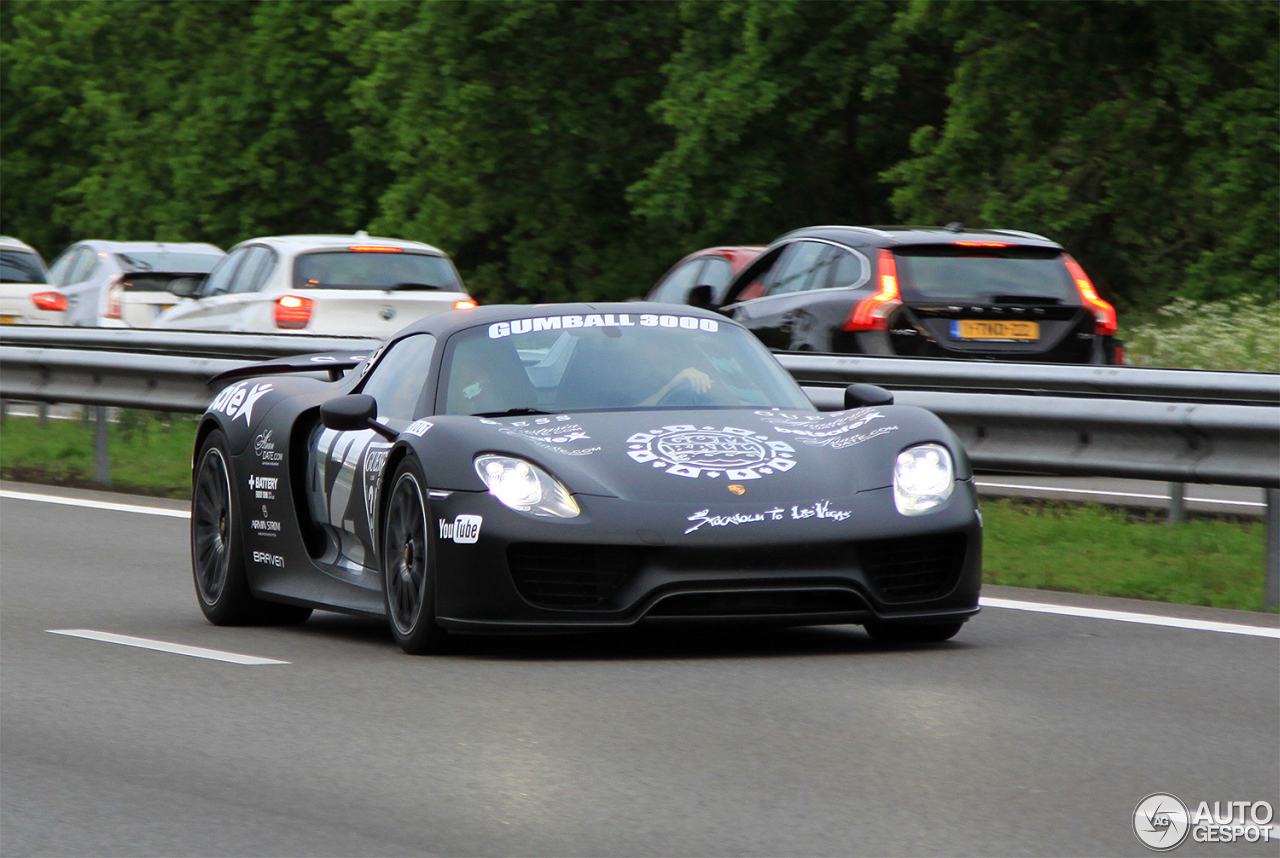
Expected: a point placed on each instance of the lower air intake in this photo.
(910, 569)
(552, 575)
(756, 603)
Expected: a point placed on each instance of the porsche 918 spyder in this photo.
(576, 467)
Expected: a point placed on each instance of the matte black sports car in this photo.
(576, 467)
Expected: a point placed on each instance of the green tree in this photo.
(512, 130)
(1142, 135)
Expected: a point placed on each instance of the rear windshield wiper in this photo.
(414, 287)
(513, 412)
(136, 263)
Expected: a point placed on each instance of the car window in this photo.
(63, 266)
(949, 272)
(387, 268)
(848, 269)
(716, 273)
(611, 361)
(172, 261)
(398, 381)
(258, 261)
(677, 285)
(219, 280)
(85, 265)
(803, 266)
(20, 266)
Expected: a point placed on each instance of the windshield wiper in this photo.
(513, 412)
(136, 263)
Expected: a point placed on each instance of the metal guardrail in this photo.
(1172, 425)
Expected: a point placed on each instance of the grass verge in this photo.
(1045, 545)
(150, 452)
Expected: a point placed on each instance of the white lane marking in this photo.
(165, 646)
(1128, 617)
(95, 504)
(1101, 493)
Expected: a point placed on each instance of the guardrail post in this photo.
(101, 461)
(1271, 591)
(42, 411)
(1177, 503)
(4, 411)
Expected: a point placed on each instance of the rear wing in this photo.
(336, 364)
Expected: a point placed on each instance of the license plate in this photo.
(8, 320)
(990, 329)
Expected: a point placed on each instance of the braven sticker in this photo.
(690, 451)
(463, 529)
(267, 559)
(237, 400)
(819, 510)
(823, 430)
(499, 330)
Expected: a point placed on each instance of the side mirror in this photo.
(862, 395)
(702, 297)
(352, 413)
(185, 287)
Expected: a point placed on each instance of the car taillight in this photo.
(466, 304)
(293, 311)
(373, 248)
(49, 301)
(981, 244)
(872, 314)
(111, 298)
(1104, 315)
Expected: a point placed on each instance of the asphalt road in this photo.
(1030, 734)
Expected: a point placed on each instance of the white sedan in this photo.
(26, 298)
(357, 285)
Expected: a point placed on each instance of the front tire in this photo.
(217, 556)
(408, 564)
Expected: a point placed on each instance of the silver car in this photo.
(125, 283)
(320, 284)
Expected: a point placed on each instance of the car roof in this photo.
(151, 246)
(299, 243)
(451, 321)
(10, 243)
(889, 236)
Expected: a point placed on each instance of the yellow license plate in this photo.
(990, 329)
(8, 320)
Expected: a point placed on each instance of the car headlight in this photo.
(525, 487)
(923, 478)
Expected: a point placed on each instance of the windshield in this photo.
(17, 266)
(948, 272)
(170, 260)
(355, 269)
(611, 361)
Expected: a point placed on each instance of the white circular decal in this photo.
(698, 451)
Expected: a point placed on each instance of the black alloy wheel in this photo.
(217, 557)
(408, 564)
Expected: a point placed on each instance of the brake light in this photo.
(293, 311)
(1104, 315)
(465, 305)
(375, 249)
(49, 301)
(872, 314)
(981, 244)
(111, 298)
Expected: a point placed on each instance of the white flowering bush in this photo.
(1239, 334)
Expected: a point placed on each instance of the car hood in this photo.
(690, 455)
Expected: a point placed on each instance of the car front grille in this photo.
(910, 569)
(757, 603)
(552, 575)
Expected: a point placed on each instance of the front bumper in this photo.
(624, 562)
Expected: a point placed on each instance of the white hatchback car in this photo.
(26, 298)
(319, 284)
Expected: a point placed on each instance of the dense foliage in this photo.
(577, 149)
